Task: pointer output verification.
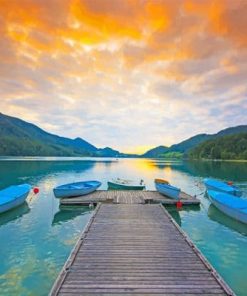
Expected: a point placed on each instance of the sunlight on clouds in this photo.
(127, 74)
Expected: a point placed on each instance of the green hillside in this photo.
(156, 152)
(21, 138)
(182, 149)
(18, 146)
(225, 147)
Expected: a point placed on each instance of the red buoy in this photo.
(179, 204)
(230, 183)
(36, 190)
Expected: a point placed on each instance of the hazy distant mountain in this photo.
(184, 147)
(20, 138)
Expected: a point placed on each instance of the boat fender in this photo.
(179, 204)
(36, 190)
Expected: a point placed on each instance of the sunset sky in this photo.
(129, 74)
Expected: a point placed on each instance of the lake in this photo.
(37, 237)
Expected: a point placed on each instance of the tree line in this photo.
(227, 147)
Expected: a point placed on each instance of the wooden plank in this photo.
(136, 294)
(136, 249)
(161, 291)
(128, 197)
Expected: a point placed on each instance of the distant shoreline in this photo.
(4, 157)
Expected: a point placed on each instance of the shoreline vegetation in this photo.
(230, 147)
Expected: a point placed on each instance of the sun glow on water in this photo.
(37, 237)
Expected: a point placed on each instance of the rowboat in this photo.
(212, 184)
(76, 189)
(229, 204)
(120, 184)
(163, 181)
(168, 190)
(13, 196)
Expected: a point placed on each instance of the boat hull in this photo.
(76, 189)
(16, 200)
(168, 190)
(117, 186)
(219, 186)
(236, 212)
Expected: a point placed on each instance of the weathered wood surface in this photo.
(135, 249)
(128, 197)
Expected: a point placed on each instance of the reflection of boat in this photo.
(212, 184)
(68, 213)
(168, 190)
(216, 215)
(76, 189)
(13, 196)
(125, 185)
(14, 214)
(229, 204)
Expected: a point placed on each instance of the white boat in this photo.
(76, 189)
(229, 204)
(121, 184)
(13, 196)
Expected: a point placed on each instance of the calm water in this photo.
(36, 238)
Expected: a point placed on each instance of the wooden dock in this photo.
(128, 197)
(136, 249)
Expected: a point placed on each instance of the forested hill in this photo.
(182, 149)
(225, 147)
(20, 138)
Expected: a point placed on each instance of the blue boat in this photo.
(168, 190)
(76, 189)
(13, 196)
(212, 184)
(229, 204)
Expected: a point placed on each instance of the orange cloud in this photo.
(163, 28)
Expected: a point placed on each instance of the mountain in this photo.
(189, 143)
(184, 147)
(20, 138)
(180, 148)
(156, 152)
(232, 130)
(107, 152)
(227, 146)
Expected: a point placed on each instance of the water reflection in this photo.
(236, 171)
(22, 171)
(14, 214)
(216, 215)
(176, 213)
(35, 246)
(67, 213)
